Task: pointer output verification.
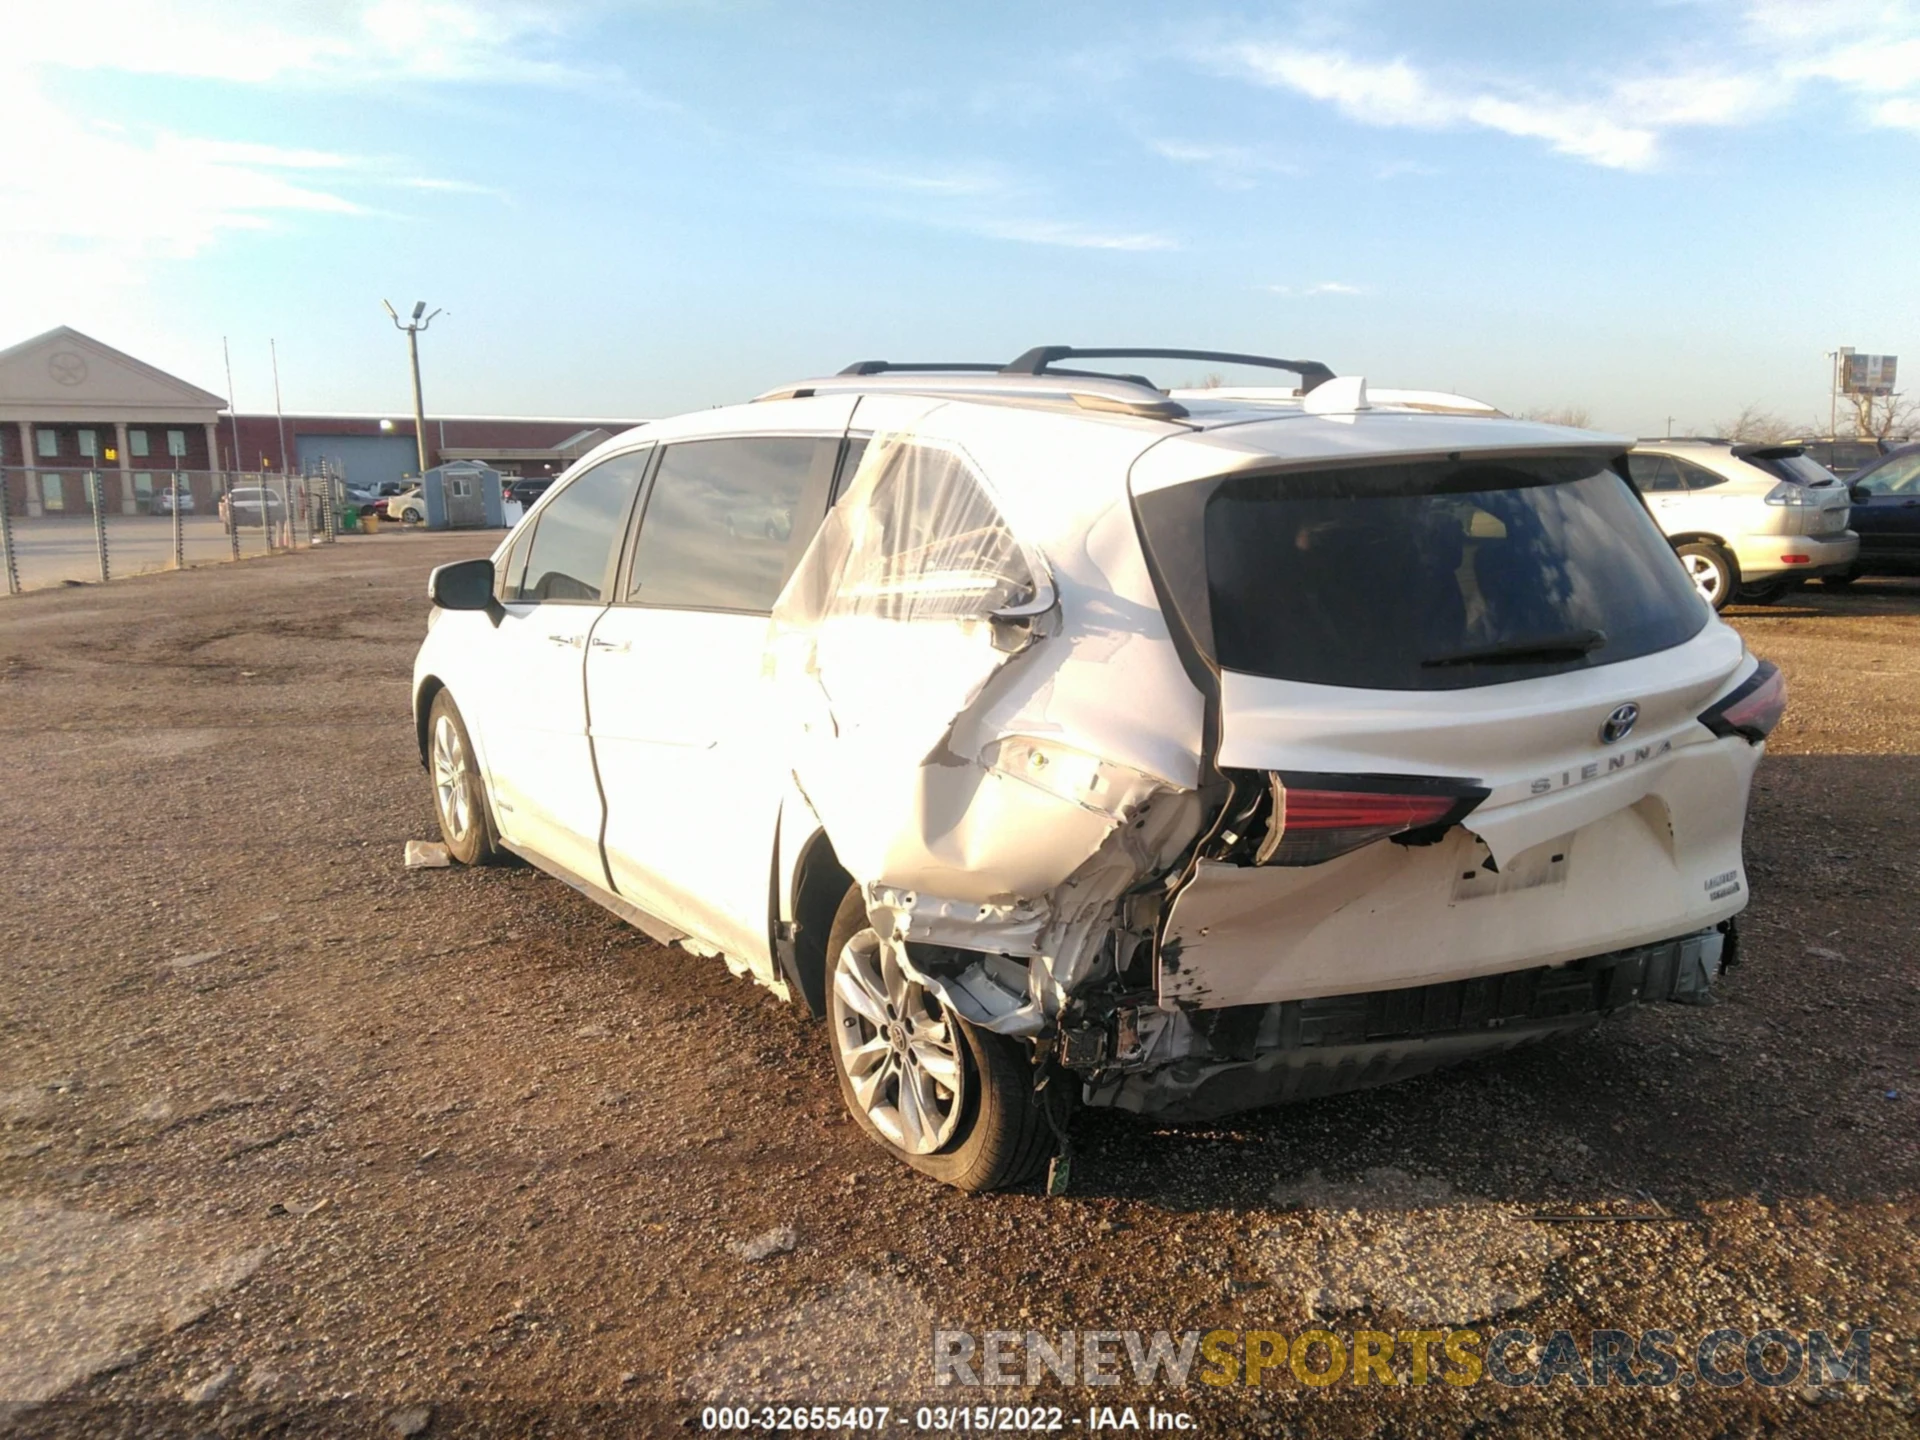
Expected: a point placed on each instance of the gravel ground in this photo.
(296, 1142)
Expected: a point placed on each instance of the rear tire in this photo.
(987, 1130)
(459, 794)
(1710, 569)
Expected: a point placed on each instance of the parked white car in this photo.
(251, 506)
(1749, 520)
(1072, 740)
(162, 501)
(408, 507)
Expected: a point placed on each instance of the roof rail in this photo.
(1039, 361)
(1098, 392)
(918, 367)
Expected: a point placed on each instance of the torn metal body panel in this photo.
(1534, 873)
(1221, 1061)
(1029, 780)
(954, 692)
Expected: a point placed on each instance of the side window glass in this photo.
(512, 568)
(1700, 478)
(850, 457)
(1653, 473)
(1902, 477)
(577, 533)
(720, 521)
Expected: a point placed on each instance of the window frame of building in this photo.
(46, 443)
(138, 445)
(177, 444)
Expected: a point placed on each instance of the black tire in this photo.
(1768, 594)
(477, 841)
(1003, 1135)
(1711, 570)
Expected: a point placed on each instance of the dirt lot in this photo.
(294, 1142)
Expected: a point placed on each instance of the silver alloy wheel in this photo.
(452, 791)
(899, 1047)
(1705, 575)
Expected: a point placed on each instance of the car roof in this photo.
(1899, 452)
(1190, 433)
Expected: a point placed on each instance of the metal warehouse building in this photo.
(70, 404)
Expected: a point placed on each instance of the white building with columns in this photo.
(71, 406)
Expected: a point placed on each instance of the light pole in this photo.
(413, 328)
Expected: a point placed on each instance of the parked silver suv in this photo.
(1747, 520)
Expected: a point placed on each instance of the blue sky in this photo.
(630, 209)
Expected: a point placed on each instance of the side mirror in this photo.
(463, 585)
(1860, 494)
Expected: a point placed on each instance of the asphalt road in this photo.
(296, 1142)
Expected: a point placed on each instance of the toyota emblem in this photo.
(1619, 724)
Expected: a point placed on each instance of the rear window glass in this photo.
(1439, 575)
(1801, 469)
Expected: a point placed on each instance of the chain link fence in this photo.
(63, 527)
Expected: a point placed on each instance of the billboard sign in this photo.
(1867, 374)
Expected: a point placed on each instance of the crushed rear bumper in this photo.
(1246, 1056)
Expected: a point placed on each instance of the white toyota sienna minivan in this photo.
(1062, 739)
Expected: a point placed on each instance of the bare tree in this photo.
(1880, 417)
(1576, 416)
(1756, 424)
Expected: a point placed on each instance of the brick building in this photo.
(70, 405)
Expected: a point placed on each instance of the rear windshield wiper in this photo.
(1570, 646)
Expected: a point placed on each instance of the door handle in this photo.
(572, 641)
(618, 646)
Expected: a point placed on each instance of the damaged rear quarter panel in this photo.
(897, 718)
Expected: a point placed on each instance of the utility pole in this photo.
(413, 328)
(279, 412)
(1839, 358)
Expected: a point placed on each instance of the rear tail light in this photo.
(1754, 707)
(1796, 559)
(1314, 818)
(1787, 492)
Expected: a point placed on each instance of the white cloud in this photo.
(1869, 49)
(1396, 94)
(67, 196)
(1393, 93)
(983, 200)
(1394, 169)
(1321, 287)
(929, 180)
(1232, 167)
(354, 42)
(1901, 114)
(1768, 55)
(1075, 237)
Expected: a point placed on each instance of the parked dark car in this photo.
(1844, 457)
(525, 489)
(1886, 516)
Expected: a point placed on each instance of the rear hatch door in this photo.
(1498, 658)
